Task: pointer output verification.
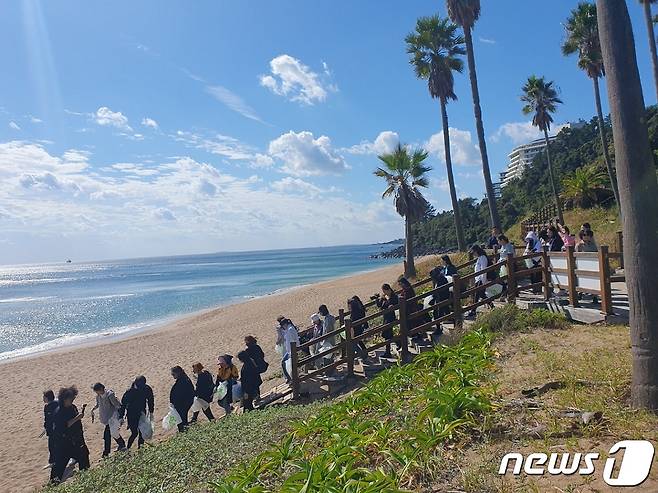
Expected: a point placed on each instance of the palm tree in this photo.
(585, 186)
(583, 38)
(435, 50)
(465, 13)
(404, 173)
(541, 100)
(652, 38)
(638, 190)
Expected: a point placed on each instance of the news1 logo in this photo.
(635, 459)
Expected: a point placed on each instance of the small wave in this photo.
(26, 299)
(107, 297)
(23, 282)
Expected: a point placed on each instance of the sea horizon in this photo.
(46, 306)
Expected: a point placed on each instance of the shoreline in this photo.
(107, 336)
(197, 337)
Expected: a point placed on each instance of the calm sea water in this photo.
(49, 305)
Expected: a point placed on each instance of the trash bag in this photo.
(115, 426)
(503, 271)
(199, 405)
(172, 419)
(289, 366)
(145, 426)
(220, 391)
(237, 392)
(494, 290)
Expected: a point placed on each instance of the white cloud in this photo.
(225, 146)
(14, 126)
(290, 78)
(164, 214)
(149, 122)
(34, 119)
(463, 151)
(487, 40)
(303, 155)
(106, 117)
(384, 143)
(134, 169)
(521, 132)
(295, 186)
(233, 102)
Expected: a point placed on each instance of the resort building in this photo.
(521, 157)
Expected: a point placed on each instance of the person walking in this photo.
(136, 401)
(108, 414)
(357, 312)
(388, 299)
(226, 372)
(449, 268)
(204, 391)
(288, 334)
(250, 381)
(69, 434)
(481, 264)
(181, 395)
(50, 406)
(256, 353)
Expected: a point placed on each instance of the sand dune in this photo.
(199, 337)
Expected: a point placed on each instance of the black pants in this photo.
(51, 449)
(183, 411)
(66, 452)
(248, 403)
(207, 412)
(133, 426)
(479, 295)
(107, 441)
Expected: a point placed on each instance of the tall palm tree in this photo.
(541, 101)
(404, 173)
(465, 13)
(435, 50)
(652, 38)
(583, 38)
(638, 190)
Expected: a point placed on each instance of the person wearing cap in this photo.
(204, 390)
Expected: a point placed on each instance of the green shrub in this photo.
(510, 318)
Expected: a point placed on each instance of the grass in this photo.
(185, 462)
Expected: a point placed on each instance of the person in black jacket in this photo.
(205, 388)
(250, 381)
(449, 268)
(133, 404)
(69, 435)
(49, 410)
(438, 280)
(181, 395)
(256, 353)
(358, 312)
(389, 299)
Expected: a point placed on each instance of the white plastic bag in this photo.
(115, 426)
(503, 271)
(237, 392)
(289, 366)
(220, 391)
(145, 426)
(494, 290)
(199, 405)
(172, 419)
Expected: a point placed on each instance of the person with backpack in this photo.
(108, 414)
(481, 264)
(250, 381)
(205, 388)
(49, 409)
(256, 353)
(69, 434)
(137, 401)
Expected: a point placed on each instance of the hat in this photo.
(315, 318)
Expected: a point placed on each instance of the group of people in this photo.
(63, 421)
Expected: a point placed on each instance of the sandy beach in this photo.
(199, 337)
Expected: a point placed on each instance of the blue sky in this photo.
(158, 127)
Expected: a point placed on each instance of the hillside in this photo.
(572, 149)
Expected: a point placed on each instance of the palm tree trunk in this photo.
(461, 244)
(604, 143)
(409, 267)
(556, 197)
(491, 196)
(652, 40)
(638, 190)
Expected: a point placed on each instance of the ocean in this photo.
(46, 306)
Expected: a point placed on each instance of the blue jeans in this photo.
(286, 357)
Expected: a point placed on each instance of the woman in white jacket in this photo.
(481, 264)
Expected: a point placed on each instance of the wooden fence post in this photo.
(620, 248)
(511, 279)
(457, 300)
(546, 275)
(604, 275)
(404, 332)
(571, 276)
(349, 347)
(294, 370)
(341, 323)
